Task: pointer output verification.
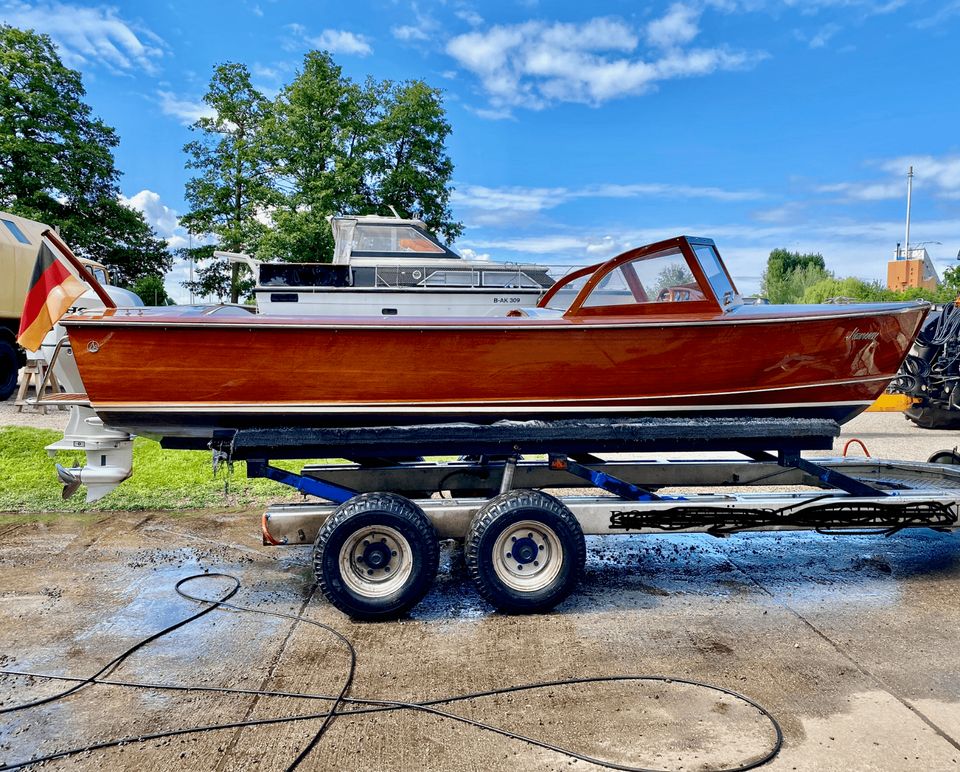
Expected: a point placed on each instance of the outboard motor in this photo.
(109, 451)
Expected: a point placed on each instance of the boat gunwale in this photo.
(494, 324)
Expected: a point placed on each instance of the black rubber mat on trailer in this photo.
(508, 437)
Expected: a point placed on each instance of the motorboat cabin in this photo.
(390, 266)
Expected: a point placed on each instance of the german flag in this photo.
(52, 289)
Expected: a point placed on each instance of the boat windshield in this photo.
(402, 239)
(662, 277)
(713, 269)
(567, 293)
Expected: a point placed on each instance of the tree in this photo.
(788, 274)
(318, 136)
(850, 287)
(951, 282)
(271, 174)
(151, 291)
(56, 160)
(411, 170)
(674, 275)
(337, 147)
(232, 191)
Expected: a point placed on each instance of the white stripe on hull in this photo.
(221, 408)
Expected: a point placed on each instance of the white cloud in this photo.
(336, 41)
(161, 217)
(471, 17)
(823, 35)
(861, 191)
(940, 17)
(939, 175)
(536, 245)
(269, 71)
(166, 222)
(677, 27)
(535, 64)
(409, 32)
(86, 35)
(942, 174)
(186, 111)
(489, 206)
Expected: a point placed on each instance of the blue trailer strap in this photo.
(603, 480)
(324, 490)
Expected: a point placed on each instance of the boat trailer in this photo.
(523, 519)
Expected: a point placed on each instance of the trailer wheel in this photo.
(10, 362)
(376, 556)
(944, 457)
(525, 551)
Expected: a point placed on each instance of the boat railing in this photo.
(423, 277)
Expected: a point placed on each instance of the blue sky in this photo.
(581, 129)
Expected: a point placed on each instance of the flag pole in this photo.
(85, 274)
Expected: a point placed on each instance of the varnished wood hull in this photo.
(163, 374)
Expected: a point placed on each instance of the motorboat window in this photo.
(393, 238)
(713, 269)
(508, 280)
(663, 277)
(451, 279)
(16, 232)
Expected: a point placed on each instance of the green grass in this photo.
(162, 479)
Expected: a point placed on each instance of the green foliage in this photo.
(232, 187)
(951, 282)
(855, 289)
(789, 274)
(162, 479)
(674, 275)
(151, 290)
(795, 278)
(56, 160)
(410, 169)
(326, 145)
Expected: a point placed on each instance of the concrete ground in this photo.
(847, 641)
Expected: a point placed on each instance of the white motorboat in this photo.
(390, 266)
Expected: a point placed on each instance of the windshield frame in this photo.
(597, 273)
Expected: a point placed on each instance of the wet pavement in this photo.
(847, 641)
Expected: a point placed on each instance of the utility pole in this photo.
(190, 253)
(909, 191)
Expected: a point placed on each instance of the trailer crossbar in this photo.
(319, 488)
(603, 480)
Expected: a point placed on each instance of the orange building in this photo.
(912, 270)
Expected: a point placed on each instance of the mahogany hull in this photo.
(178, 376)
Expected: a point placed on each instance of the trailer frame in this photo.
(375, 537)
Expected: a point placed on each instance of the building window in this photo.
(17, 233)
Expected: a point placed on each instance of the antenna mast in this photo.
(909, 191)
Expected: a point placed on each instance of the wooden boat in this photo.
(658, 330)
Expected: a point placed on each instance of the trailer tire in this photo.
(944, 457)
(553, 551)
(11, 360)
(376, 556)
